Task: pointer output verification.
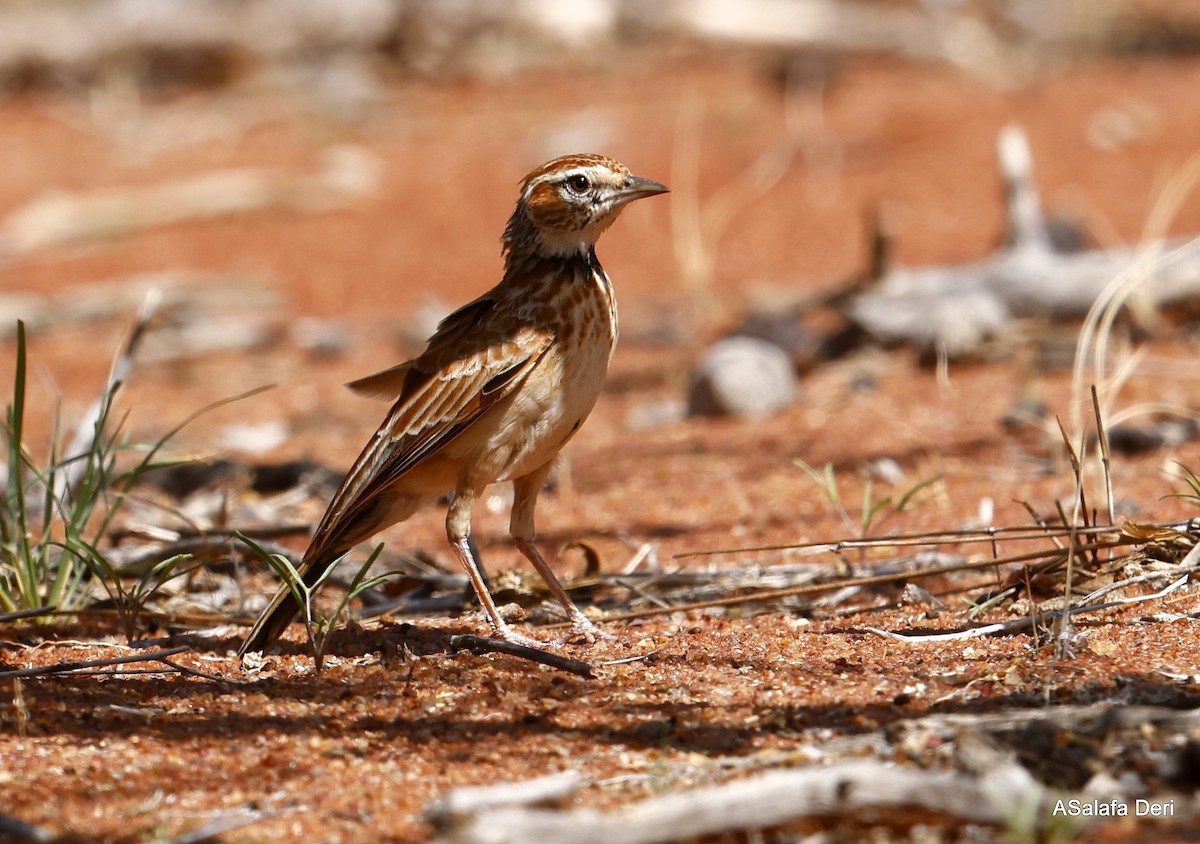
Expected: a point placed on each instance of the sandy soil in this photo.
(358, 752)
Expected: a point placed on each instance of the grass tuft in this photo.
(318, 626)
(54, 518)
(874, 510)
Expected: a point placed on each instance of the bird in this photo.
(503, 384)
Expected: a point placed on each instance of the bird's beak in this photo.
(639, 188)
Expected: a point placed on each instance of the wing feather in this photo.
(390, 384)
(438, 402)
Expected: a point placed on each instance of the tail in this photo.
(355, 514)
(284, 607)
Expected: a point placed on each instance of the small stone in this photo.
(742, 376)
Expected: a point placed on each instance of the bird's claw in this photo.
(514, 638)
(583, 627)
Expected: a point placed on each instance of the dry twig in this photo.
(759, 802)
(72, 667)
(484, 644)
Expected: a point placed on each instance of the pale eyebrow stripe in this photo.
(592, 172)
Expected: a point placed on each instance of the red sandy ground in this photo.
(358, 752)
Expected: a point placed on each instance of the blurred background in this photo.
(846, 319)
(313, 184)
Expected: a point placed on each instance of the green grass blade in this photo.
(909, 499)
(24, 561)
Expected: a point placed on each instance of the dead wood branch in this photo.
(1030, 621)
(89, 432)
(81, 40)
(955, 310)
(850, 28)
(470, 800)
(485, 644)
(61, 218)
(760, 802)
(75, 667)
(67, 42)
(184, 293)
(230, 820)
(1084, 719)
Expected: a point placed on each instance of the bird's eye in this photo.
(578, 183)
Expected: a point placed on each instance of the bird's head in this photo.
(567, 203)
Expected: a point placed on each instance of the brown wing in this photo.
(473, 361)
(465, 371)
(436, 405)
(446, 344)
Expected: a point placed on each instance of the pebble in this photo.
(742, 376)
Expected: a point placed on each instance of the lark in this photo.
(503, 385)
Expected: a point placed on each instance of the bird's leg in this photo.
(525, 493)
(581, 625)
(458, 528)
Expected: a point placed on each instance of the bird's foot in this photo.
(583, 627)
(506, 633)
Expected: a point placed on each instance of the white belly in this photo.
(543, 416)
(555, 399)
